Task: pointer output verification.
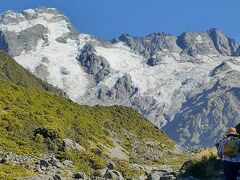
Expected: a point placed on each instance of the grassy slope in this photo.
(26, 106)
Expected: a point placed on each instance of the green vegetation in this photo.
(9, 171)
(35, 118)
(126, 170)
(205, 165)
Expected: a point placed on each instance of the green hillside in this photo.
(34, 121)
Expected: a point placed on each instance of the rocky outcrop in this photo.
(123, 89)
(93, 64)
(196, 43)
(211, 42)
(79, 175)
(113, 174)
(223, 44)
(151, 44)
(26, 40)
(69, 144)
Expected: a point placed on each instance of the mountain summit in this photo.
(169, 79)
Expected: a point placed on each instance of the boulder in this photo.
(161, 175)
(69, 144)
(79, 176)
(110, 166)
(113, 174)
(44, 165)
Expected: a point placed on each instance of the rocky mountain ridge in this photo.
(157, 74)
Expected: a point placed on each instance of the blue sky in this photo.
(110, 18)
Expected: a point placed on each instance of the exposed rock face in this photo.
(93, 64)
(123, 89)
(196, 43)
(224, 45)
(26, 40)
(152, 43)
(205, 116)
(15, 41)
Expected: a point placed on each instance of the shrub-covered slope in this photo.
(34, 122)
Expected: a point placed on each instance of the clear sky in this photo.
(108, 19)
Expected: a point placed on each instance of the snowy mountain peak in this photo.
(23, 32)
(159, 74)
(29, 18)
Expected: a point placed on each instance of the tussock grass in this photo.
(206, 153)
(204, 165)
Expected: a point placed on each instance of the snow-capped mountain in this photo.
(186, 85)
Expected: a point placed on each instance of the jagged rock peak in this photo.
(210, 42)
(12, 17)
(213, 41)
(152, 43)
(222, 43)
